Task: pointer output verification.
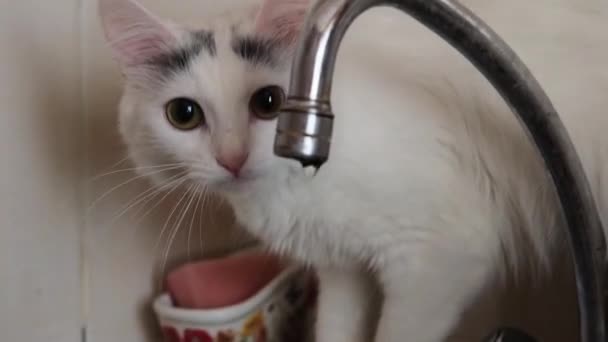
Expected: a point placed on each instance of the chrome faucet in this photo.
(305, 124)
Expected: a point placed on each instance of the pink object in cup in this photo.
(276, 306)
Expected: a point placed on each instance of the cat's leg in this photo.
(345, 307)
(427, 290)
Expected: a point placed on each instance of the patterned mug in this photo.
(281, 311)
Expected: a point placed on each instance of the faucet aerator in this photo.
(304, 132)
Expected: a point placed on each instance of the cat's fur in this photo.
(431, 182)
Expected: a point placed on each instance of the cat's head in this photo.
(202, 103)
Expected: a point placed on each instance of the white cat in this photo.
(432, 185)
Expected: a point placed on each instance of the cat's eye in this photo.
(184, 114)
(266, 102)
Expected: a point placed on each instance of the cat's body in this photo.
(431, 182)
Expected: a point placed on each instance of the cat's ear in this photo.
(134, 34)
(282, 19)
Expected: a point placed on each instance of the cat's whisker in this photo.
(120, 161)
(147, 195)
(172, 184)
(176, 185)
(213, 204)
(162, 232)
(106, 174)
(157, 191)
(119, 213)
(200, 216)
(196, 207)
(131, 180)
(174, 232)
(154, 189)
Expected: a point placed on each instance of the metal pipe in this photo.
(305, 125)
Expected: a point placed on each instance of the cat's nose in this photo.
(233, 163)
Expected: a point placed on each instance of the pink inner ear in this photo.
(282, 19)
(134, 33)
(139, 48)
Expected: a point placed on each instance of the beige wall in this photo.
(40, 192)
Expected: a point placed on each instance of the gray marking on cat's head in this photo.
(179, 59)
(257, 51)
(206, 40)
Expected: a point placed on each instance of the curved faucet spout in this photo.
(305, 125)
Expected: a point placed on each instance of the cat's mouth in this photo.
(230, 183)
(246, 181)
(236, 181)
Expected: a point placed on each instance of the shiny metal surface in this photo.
(304, 128)
(304, 132)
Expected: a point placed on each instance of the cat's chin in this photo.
(229, 185)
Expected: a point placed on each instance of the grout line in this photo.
(83, 334)
(81, 27)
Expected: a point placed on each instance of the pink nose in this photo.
(233, 163)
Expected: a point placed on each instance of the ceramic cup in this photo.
(280, 311)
